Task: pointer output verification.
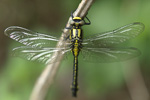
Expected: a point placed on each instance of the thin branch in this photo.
(48, 75)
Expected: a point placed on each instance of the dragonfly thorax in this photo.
(76, 34)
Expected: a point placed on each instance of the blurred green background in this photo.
(129, 80)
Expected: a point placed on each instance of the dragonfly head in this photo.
(77, 21)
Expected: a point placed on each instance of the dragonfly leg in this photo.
(89, 22)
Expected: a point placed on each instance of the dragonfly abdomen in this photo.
(75, 51)
(75, 77)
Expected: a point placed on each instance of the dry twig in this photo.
(47, 77)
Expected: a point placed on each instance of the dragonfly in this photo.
(97, 48)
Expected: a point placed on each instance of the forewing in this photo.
(30, 38)
(43, 55)
(114, 37)
(106, 55)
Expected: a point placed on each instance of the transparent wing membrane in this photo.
(43, 55)
(114, 37)
(96, 48)
(30, 38)
(106, 55)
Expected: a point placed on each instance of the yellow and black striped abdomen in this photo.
(75, 77)
(75, 51)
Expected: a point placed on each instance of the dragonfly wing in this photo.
(114, 37)
(43, 55)
(30, 38)
(106, 55)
